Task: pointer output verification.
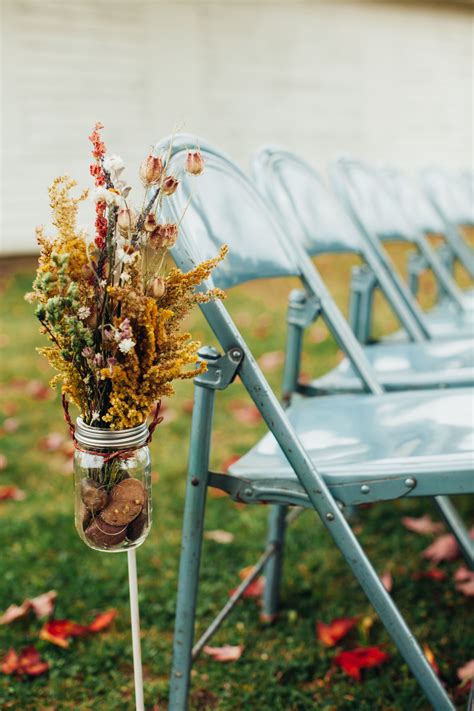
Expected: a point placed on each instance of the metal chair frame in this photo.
(385, 223)
(312, 490)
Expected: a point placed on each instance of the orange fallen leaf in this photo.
(423, 525)
(3, 462)
(102, 621)
(333, 632)
(38, 390)
(228, 462)
(431, 658)
(28, 663)
(11, 493)
(227, 653)
(352, 661)
(256, 587)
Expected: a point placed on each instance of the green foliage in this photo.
(283, 665)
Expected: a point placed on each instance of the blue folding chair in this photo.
(322, 454)
(367, 196)
(311, 215)
(453, 199)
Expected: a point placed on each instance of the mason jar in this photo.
(112, 486)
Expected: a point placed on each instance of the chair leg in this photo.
(191, 546)
(273, 569)
(458, 529)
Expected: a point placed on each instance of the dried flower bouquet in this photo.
(112, 310)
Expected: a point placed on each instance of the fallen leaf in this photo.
(444, 547)
(43, 605)
(227, 653)
(11, 424)
(466, 672)
(271, 361)
(352, 661)
(462, 574)
(15, 612)
(318, 334)
(28, 663)
(11, 493)
(430, 574)
(187, 406)
(3, 462)
(38, 390)
(245, 413)
(431, 658)
(422, 525)
(58, 631)
(333, 632)
(102, 621)
(466, 587)
(228, 463)
(9, 408)
(219, 536)
(52, 442)
(256, 587)
(387, 580)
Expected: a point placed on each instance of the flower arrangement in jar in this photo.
(112, 310)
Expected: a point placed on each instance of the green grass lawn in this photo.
(283, 667)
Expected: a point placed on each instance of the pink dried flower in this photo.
(151, 170)
(194, 164)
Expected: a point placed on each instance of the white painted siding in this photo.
(385, 81)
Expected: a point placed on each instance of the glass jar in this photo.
(112, 486)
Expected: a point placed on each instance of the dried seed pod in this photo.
(158, 287)
(103, 534)
(93, 495)
(151, 170)
(194, 164)
(150, 223)
(126, 220)
(169, 185)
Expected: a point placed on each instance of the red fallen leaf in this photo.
(431, 574)
(28, 662)
(466, 672)
(9, 408)
(245, 413)
(102, 621)
(256, 588)
(352, 661)
(431, 659)
(444, 547)
(227, 653)
(387, 580)
(271, 361)
(333, 632)
(58, 631)
(11, 493)
(3, 462)
(422, 525)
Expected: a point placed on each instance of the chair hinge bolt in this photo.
(248, 492)
(330, 516)
(364, 489)
(410, 483)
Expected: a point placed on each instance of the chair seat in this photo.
(367, 447)
(402, 366)
(444, 321)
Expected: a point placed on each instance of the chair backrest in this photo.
(306, 207)
(378, 209)
(416, 207)
(358, 186)
(450, 195)
(223, 207)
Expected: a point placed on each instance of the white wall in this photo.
(385, 81)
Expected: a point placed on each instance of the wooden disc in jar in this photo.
(137, 526)
(126, 502)
(103, 534)
(93, 495)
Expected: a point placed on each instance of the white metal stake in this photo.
(135, 623)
